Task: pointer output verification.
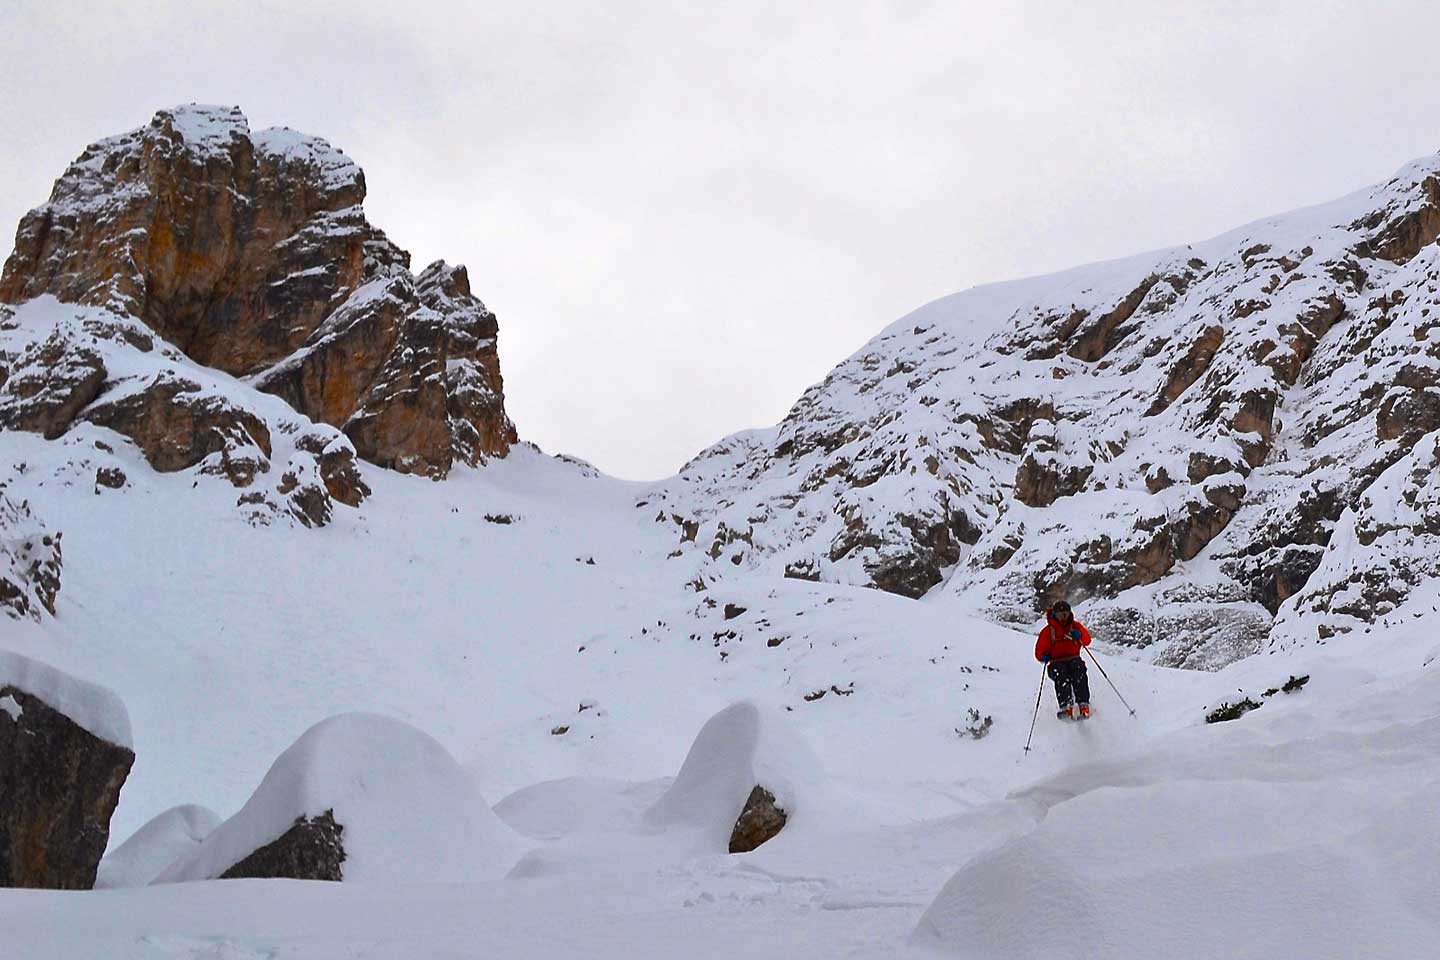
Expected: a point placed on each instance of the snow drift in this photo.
(739, 748)
(165, 839)
(408, 811)
(1301, 834)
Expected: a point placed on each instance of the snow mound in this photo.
(409, 813)
(739, 748)
(165, 839)
(1293, 837)
(89, 705)
(559, 808)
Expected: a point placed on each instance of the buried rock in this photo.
(1228, 711)
(310, 850)
(743, 759)
(359, 798)
(761, 820)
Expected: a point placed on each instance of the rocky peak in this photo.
(228, 246)
(251, 254)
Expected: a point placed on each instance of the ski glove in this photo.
(1045, 658)
(1075, 633)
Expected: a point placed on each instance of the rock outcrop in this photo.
(1173, 439)
(44, 384)
(30, 561)
(251, 255)
(60, 775)
(179, 416)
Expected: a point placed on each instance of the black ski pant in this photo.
(1071, 683)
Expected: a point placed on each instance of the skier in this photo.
(1059, 647)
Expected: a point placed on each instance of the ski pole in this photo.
(1109, 681)
(1038, 694)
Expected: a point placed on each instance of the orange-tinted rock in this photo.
(251, 253)
(177, 425)
(439, 397)
(333, 371)
(232, 247)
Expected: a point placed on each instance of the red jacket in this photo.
(1057, 641)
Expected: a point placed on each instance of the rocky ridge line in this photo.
(1183, 441)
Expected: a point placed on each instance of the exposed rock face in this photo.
(1391, 545)
(1174, 440)
(760, 821)
(1045, 475)
(338, 469)
(312, 849)
(177, 425)
(252, 255)
(45, 385)
(437, 399)
(180, 416)
(30, 561)
(59, 785)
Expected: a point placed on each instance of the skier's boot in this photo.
(1084, 711)
(1067, 712)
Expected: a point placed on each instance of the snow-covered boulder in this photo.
(745, 777)
(358, 797)
(64, 755)
(159, 843)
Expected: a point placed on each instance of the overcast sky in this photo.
(686, 213)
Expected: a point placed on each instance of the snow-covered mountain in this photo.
(234, 401)
(1221, 447)
(251, 255)
(185, 275)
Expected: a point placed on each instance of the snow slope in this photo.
(1291, 834)
(227, 641)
